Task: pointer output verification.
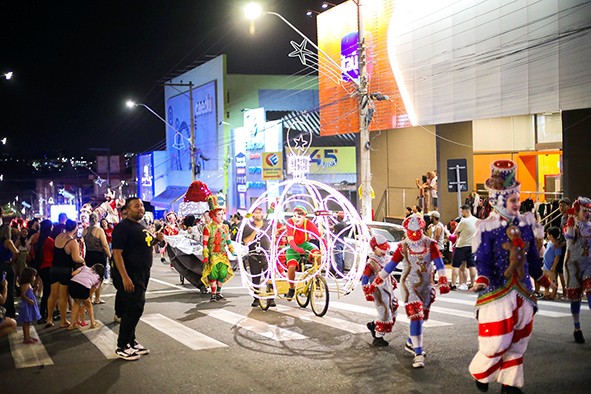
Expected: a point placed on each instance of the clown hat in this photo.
(502, 182)
(414, 223)
(212, 202)
(379, 241)
(197, 192)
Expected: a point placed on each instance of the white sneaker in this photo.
(128, 354)
(116, 319)
(419, 361)
(463, 287)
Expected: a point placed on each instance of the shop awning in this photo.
(170, 198)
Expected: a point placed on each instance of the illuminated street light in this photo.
(326, 4)
(253, 10)
(3, 140)
(8, 75)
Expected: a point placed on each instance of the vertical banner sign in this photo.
(240, 166)
(179, 134)
(272, 166)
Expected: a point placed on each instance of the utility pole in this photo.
(364, 144)
(191, 127)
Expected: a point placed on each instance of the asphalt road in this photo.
(231, 347)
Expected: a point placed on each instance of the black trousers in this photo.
(258, 264)
(131, 306)
(44, 273)
(8, 267)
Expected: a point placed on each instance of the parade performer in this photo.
(383, 297)
(110, 208)
(170, 228)
(506, 248)
(299, 230)
(416, 252)
(577, 261)
(216, 236)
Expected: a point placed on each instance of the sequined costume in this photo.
(506, 252)
(577, 261)
(383, 297)
(416, 252)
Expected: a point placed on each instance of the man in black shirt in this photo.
(257, 235)
(132, 252)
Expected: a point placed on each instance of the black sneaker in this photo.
(127, 354)
(481, 386)
(272, 303)
(579, 338)
(139, 349)
(511, 390)
(371, 326)
(212, 298)
(255, 302)
(380, 342)
(219, 297)
(290, 294)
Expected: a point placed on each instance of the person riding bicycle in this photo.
(299, 232)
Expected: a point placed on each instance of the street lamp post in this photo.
(252, 11)
(132, 104)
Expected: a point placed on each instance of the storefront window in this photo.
(548, 128)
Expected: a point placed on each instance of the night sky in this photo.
(75, 64)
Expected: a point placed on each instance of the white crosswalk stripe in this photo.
(307, 315)
(539, 313)
(372, 312)
(103, 338)
(259, 327)
(28, 355)
(181, 333)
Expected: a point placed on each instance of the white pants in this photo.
(504, 330)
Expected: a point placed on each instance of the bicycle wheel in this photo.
(302, 296)
(264, 303)
(319, 296)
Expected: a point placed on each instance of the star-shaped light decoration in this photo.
(300, 51)
(99, 181)
(301, 143)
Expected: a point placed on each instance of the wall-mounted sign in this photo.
(272, 166)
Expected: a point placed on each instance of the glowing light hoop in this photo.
(317, 198)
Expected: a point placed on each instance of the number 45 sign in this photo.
(333, 160)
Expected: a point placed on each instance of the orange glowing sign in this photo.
(339, 100)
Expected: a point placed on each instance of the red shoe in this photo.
(82, 323)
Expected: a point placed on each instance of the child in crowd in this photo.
(383, 297)
(552, 259)
(28, 308)
(83, 284)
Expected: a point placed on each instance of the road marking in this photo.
(453, 312)
(372, 312)
(103, 338)
(261, 328)
(472, 303)
(28, 355)
(308, 315)
(190, 289)
(181, 333)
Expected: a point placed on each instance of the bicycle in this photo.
(311, 288)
